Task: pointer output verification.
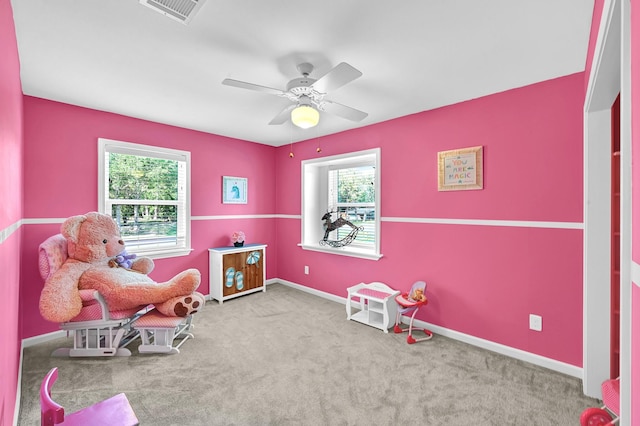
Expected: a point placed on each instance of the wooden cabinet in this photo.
(236, 271)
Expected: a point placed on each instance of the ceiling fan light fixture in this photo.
(305, 116)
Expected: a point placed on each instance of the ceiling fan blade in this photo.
(251, 86)
(283, 115)
(343, 111)
(340, 75)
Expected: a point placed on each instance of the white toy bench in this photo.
(374, 303)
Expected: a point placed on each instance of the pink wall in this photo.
(593, 36)
(507, 272)
(483, 280)
(61, 180)
(11, 160)
(635, 226)
(635, 126)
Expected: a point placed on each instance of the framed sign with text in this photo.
(460, 169)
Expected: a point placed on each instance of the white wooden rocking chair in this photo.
(97, 331)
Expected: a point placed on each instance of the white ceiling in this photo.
(415, 55)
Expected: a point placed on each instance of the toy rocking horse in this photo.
(332, 226)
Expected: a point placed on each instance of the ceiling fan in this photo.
(308, 95)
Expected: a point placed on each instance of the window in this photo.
(352, 196)
(146, 190)
(348, 186)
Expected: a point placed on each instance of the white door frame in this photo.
(626, 282)
(602, 90)
(610, 75)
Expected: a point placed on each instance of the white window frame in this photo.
(314, 202)
(106, 146)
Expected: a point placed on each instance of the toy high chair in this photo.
(411, 302)
(608, 414)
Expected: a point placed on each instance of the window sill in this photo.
(343, 251)
(163, 254)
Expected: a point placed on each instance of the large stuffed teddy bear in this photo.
(93, 243)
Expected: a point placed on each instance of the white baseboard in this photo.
(313, 291)
(28, 342)
(43, 338)
(16, 409)
(551, 364)
(209, 297)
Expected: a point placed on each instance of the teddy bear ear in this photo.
(71, 227)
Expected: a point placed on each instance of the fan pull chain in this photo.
(291, 141)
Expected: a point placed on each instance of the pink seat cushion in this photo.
(405, 302)
(373, 293)
(52, 254)
(91, 309)
(155, 319)
(93, 312)
(115, 411)
(611, 395)
(87, 297)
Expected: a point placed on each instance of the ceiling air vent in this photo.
(179, 10)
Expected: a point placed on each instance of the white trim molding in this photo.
(310, 290)
(635, 273)
(602, 90)
(518, 354)
(485, 222)
(440, 221)
(43, 221)
(9, 230)
(43, 338)
(235, 216)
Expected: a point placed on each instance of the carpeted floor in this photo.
(286, 357)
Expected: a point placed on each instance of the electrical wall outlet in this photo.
(535, 322)
(306, 270)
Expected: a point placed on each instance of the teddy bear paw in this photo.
(182, 306)
(189, 305)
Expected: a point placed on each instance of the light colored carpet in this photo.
(286, 357)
